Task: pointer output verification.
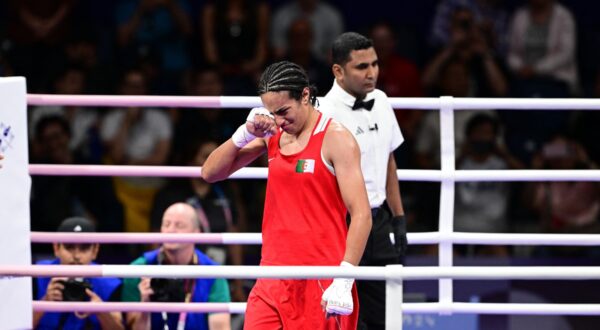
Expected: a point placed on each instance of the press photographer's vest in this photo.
(200, 294)
(103, 287)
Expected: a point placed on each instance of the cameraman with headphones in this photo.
(178, 218)
(79, 289)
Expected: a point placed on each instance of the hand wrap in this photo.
(338, 296)
(242, 136)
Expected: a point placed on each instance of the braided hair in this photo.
(286, 76)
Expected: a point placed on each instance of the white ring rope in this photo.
(240, 308)
(391, 272)
(131, 238)
(261, 173)
(247, 102)
(51, 306)
(256, 239)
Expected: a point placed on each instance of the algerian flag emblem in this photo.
(305, 166)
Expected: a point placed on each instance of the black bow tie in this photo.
(360, 104)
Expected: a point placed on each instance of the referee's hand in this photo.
(401, 242)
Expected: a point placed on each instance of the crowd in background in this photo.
(460, 48)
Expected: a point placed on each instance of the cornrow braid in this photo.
(286, 76)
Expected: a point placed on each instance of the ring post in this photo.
(446, 219)
(15, 183)
(393, 297)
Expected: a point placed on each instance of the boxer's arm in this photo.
(341, 149)
(246, 144)
(228, 158)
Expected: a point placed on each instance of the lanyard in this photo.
(183, 315)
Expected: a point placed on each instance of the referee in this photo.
(366, 112)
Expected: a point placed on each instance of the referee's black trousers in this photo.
(379, 251)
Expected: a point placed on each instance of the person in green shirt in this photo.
(178, 218)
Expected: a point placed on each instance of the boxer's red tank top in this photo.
(304, 220)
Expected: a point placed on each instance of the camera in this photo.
(167, 290)
(75, 290)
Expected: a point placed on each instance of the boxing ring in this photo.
(394, 275)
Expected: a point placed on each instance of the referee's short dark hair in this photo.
(344, 44)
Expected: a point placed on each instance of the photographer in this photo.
(66, 289)
(470, 50)
(178, 218)
(564, 206)
(483, 206)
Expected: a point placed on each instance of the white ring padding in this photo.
(240, 308)
(261, 173)
(247, 102)
(307, 272)
(256, 238)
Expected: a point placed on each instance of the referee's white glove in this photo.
(337, 299)
(261, 123)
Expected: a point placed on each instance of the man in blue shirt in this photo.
(66, 289)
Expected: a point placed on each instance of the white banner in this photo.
(15, 186)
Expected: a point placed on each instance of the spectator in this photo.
(38, 31)
(235, 36)
(83, 50)
(300, 38)
(541, 52)
(178, 218)
(489, 16)
(136, 136)
(203, 123)
(159, 27)
(469, 48)
(83, 121)
(572, 207)
(483, 206)
(453, 79)
(398, 76)
(217, 210)
(76, 289)
(585, 125)
(53, 198)
(326, 22)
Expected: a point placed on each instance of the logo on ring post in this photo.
(305, 166)
(6, 137)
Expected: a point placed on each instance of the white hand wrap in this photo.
(338, 295)
(242, 136)
(258, 111)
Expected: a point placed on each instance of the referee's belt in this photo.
(383, 207)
